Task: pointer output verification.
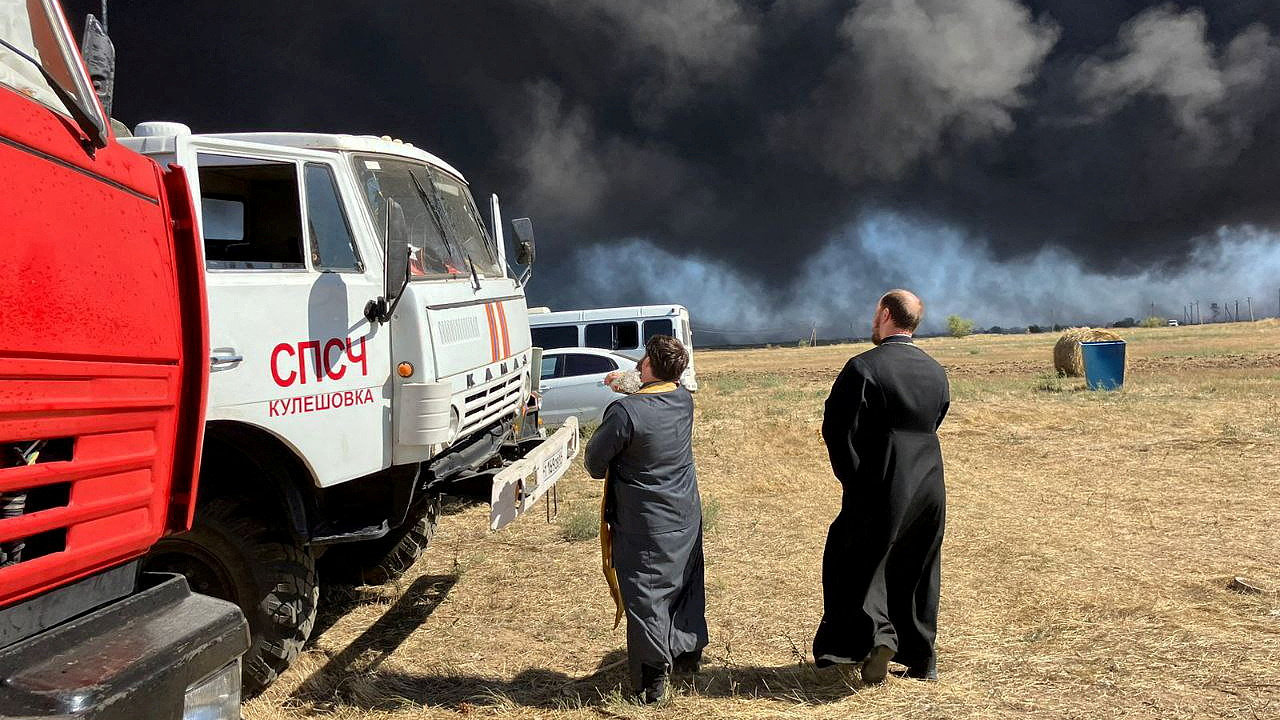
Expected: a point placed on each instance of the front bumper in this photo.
(134, 658)
(517, 487)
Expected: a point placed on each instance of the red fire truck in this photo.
(103, 373)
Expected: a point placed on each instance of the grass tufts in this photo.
(711, 511)
(1047, 383)
(581, 522)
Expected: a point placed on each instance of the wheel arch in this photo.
(229, 443)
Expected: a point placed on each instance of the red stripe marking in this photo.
(493, 333)
(506, 335)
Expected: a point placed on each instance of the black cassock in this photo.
(645, 445)
(881, 569)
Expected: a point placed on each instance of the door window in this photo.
(333, 247)
(613, 336)
(556, 336)
(32, 28)
(657, 327)
(250, 213)
(575, 365)
(551, 365)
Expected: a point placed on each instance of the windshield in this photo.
(446, 235)
(35, 31)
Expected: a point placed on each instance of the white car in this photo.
(572, 383)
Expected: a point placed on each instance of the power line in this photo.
(739, 331)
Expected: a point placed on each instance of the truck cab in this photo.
(103, 374)
(369, 350)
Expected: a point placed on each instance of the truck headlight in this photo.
(215, 698)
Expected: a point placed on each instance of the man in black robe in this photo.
(881, 569)
(644, 447)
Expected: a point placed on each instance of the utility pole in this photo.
(1237, 309)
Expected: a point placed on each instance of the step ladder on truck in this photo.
(103, 377)
(370, 351)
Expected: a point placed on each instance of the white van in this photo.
(623, 330)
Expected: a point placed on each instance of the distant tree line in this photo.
(1150, 322)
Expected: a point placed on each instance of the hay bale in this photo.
(1067, 358)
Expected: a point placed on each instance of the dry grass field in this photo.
(1091, 540)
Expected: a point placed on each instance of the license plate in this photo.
(517, 487)
(552, 465)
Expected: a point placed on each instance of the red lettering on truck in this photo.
(314, 346)
(330, 364)
(361, 357)
(324, 357)
(275, 365)
(320, 402)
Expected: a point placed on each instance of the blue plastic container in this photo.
(1103, 364)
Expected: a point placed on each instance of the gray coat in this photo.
(645, 446)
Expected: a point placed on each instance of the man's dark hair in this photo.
(905, 309)
(667, 357)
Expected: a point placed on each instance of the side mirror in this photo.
(100, 60)
(396, 268)
(526, 251)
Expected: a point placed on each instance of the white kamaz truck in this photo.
(370, 351)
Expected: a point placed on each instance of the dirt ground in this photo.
(1090, 545)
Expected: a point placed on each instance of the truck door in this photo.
(288, 281)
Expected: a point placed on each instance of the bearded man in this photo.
(881, 570)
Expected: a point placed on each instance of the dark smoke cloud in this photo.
(759, 140)
(913, 77)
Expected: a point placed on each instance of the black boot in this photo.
(654, 681)
(928, 671)
(689, 663)
(876, 667)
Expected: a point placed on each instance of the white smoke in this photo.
(837, 288)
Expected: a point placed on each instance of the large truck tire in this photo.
(233, 553)
(374, 562)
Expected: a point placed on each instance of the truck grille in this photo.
(84, 467)
(491, 402)
(17, 503)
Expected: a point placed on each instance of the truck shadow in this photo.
(606, 686)
(353, 678)
(366, 653)
(361, 685)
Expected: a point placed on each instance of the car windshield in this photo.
(446, 235)
(34, 31)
